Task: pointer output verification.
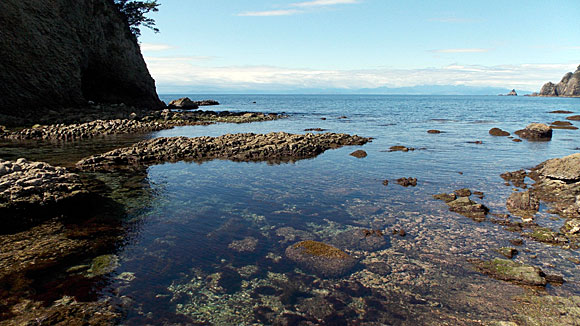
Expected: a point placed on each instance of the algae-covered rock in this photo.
(321, 258)
(104, 264)
(546, 235)
(446, 197)
(507, 270)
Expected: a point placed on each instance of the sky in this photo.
(243, 45)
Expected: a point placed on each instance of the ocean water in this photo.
(206, 242)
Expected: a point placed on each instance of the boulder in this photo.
(407, 182)
(321, 258)
(536, 131)
(468, 208)
(184, 103)
(523, 204)
(498, 132)
(566, 168)
(359, 154)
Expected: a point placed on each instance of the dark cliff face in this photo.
(568, 86)
(63, 53)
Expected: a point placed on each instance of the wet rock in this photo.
(571, 227)
(464, 192)
(433, 131)
(28, 190)
(573, 118)
(272, 147)
(321, 258)
(517, 140)
(245, 245)
(498, 132)
(379, 267)
(207, 102)
(516, 178)
(361, 239)
(314, 129)
(517, 242)
(511, 271)
(399, 148)
(359, 154)
(468, 208)
(478, 194)
(508, 252)
(446, 197)
(561, 112)
(523, 204)
(536, 131)
(385, 182)
(566, 169)
(545, 235)
(406, 182)
(183, 103)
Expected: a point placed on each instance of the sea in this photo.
(205, 242)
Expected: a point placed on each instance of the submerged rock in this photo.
(508, 252)
(536, 131)
(321, 258)
(433, 131)
(464, 192)
(245, 245)
(511, 271)
(400, 148)
(361, 239)
(272, 147)
(516, 178)
(446, 197)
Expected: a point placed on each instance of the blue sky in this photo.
(286, 45)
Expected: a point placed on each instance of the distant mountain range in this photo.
(412, 90)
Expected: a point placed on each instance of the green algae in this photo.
(320, 249)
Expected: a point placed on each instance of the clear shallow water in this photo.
(182, 244)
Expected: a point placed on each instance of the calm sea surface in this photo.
(206, 241)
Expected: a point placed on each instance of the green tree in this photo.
(136, 14)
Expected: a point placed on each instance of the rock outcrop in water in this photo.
(29, 189)
(63, 53)
(272, 147)
(321, 258)
(536, 131)
(569, 86)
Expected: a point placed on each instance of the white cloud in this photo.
(472, 50)
(176, 72)
(316, 3)
(153, 47)
(268, 13)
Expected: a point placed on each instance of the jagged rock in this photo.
(464, 192)
(34, 187)
(512, 93)
(407, 182)
(523, 204)
(64, 53)
(569, 86)
(517, 178)
(536, 131)
(272, 147)
(321, 258)
(468, 208)
(207, 102)
(184, 103)
(498, 132)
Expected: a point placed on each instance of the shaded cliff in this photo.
(63, 53)
(568, 86)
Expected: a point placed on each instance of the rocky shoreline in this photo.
(153, 121)
(272, 147)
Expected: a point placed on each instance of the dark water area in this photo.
(206, 242)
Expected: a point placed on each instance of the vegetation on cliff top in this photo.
(136, 14)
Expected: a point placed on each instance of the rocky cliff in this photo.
(63, 53)
(568, 86)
